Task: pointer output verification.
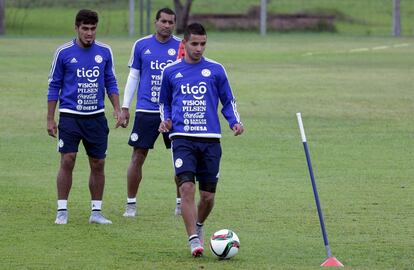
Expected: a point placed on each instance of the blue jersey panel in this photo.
(150, 57)
(79, 78)
(190, 94)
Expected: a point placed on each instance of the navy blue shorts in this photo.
(91, 130)
(145, 131)
(199, 157)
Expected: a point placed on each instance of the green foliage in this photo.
(357, 108)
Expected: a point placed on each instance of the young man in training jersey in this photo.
(191, 89)
(149, 56)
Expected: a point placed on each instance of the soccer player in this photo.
(149, 56)
(82, 70)
(190, 92)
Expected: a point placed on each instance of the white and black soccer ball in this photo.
(224, 244)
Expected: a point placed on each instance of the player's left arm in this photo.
(111, 86)
(165, 100)
(228, 101)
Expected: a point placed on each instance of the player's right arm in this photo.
(51, 123)
(55, 85)
(129, 93)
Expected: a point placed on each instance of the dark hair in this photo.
(86, 16)
(194, 29)
(165, 10)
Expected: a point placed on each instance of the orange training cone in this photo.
(332, 262)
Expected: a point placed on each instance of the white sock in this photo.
(62, 205)
(191, 237)
(178, 200)
(131, 200)
(96, 205)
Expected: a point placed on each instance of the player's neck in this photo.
(190, 60)
(162, 39)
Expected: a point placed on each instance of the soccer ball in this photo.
(224, 244)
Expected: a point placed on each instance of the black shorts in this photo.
(145, 131)
(91, 130)
(198, 157)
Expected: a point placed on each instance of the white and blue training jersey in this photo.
(150, 57)
(189, 97)
(80, 76)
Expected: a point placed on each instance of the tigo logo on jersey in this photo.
(197, 91)
(90, 74)
(157, 65)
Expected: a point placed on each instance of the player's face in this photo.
(86, 34)
(164, 26)
(194, 48)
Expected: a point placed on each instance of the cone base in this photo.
(332, 262)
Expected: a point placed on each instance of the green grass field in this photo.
(356, 99)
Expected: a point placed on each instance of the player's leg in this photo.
(207, 176)
(68, 142)
(134, 177)
(96, 188)
(64, 184)
(204, 207)
(96, 178)
(95, 141)
(185, 163)
(177, 210)
(143, 136)
(189, 212)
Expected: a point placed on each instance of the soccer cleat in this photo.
(130, 210)
(62, 217)
(196, 247)
(97, 218)
(200, 233)
(177, 211)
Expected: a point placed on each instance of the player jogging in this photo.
(190, 92)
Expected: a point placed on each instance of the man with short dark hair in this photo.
(191, 89)
(82, 71)
(149, 56)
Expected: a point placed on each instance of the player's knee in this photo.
(207, 197)
(97, 165)
(68, 160)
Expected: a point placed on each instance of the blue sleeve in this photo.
(111, 84)
(165, 97)
(135, 59)
(55, 77)
(227, 99)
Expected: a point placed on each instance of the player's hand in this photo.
(51, 128)
(118, 118)
(124, 118)
(165, 126)
(238, 129)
